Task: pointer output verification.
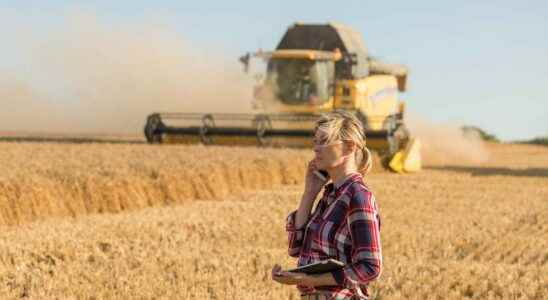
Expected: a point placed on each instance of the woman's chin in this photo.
(322, 165)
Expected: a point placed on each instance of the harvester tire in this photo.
(207, 122)
(390, 125)
(397, 141)
(152, 134)
(263, 124)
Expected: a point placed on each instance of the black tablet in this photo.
(323, 266)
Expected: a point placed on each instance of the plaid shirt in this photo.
(345, 226)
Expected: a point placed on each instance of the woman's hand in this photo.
(313, 184)
(289, 278)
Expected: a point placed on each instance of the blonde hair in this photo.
(340, 125)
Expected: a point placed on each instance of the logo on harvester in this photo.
(389, 91)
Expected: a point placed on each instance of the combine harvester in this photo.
(316, 68)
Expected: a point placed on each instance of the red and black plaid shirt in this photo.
(345, 226)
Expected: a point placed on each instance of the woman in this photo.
(345, 224)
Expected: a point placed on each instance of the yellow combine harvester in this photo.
(316, 68)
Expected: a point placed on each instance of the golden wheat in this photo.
(449, 232)
(38, 181)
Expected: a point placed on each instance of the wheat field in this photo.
(191, 222)
(39, 181)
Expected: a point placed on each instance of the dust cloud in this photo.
(84, 75)
(446, 143)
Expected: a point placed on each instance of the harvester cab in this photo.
(316, 68)
(295, 81)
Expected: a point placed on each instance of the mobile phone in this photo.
(322, 174)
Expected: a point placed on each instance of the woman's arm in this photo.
(313, 186)
(303, 212)
(295, 225)
(297, 220)
(363, 225)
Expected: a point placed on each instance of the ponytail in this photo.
(366, 162)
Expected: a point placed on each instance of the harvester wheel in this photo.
(207, 122)
(263, 124)
(154, 123)
(393, 140)
(397, 141)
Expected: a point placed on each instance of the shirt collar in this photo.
(348, 180)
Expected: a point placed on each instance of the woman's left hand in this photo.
(289, 278)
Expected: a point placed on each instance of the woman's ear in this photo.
(349, 147)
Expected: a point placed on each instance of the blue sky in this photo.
(477, 62)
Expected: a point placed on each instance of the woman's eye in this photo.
(320, 142)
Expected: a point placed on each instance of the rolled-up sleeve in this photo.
(363, 223)
(294, 235)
